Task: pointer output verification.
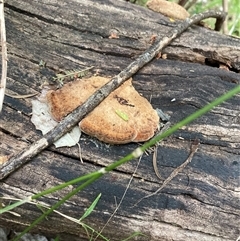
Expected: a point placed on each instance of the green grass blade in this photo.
(14, 205)
(91, 208)
(58, 204)
(134, 235)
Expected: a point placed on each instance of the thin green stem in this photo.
(48, 191)
(58, 204)
(65, 184)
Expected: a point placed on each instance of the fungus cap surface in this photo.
(169, 9)
(124, 116)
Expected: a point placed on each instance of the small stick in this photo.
(154, 160)
(80, 112)
(194, 148)
(155, 163)
(21, 96)
(4, 54)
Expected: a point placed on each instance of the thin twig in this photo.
(4, 55)
(80, 153)
(166, 126)
(21, 96)
(225, 9)
(194, 148)
(79, 113)
(155, 163)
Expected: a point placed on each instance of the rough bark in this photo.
(202, 202)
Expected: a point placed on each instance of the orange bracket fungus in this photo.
(124, 116)
(169, 9)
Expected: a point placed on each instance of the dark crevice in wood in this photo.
(40, 17)
(17, 105)
(49, 21)
(216, 64)
(107, 53)
(203, 140)
(235, 151)
(194, 197)
(13, 134)
(25, 58)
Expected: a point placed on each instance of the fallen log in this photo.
(201, 202)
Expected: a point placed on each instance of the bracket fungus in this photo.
(124, 116)
(169, 9)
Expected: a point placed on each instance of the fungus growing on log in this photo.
(169, 9)
(123, 117)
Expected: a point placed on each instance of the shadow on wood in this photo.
(202, 202)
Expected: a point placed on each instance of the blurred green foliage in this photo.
(139, 2)
(233, 18)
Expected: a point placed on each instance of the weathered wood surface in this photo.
(202, 202)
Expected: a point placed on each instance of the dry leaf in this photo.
(43, 121)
